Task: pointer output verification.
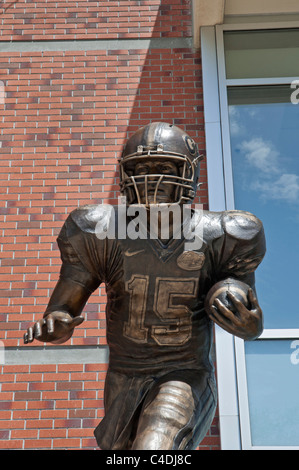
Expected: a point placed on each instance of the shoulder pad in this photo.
(92, 217)
(212, 227)
(241, 225)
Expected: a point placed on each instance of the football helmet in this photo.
(160, 141)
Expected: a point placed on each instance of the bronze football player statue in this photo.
(160, 391)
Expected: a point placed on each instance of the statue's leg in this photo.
(165, 421)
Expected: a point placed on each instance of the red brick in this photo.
(38, 444)
(38, 424)
(27, 414)
(27, 395)
(15, 424)
(52, 433)
(86, 432)
(55, 414)
(67, 443)
(11, 444)
(24, 434)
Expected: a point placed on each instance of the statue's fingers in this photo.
(225, 320)
(25, 337)
(252, 299)
(241, 308)
(30, 334)
(224, 310)
(50, 323)
(37, 330)
(77, 321)
(216, 316)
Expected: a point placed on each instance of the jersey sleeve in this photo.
(244, 244)
(78, 263)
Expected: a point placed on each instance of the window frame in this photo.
(230, 351)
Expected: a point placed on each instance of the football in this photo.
(220, 289)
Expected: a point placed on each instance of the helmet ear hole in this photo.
(129, 172)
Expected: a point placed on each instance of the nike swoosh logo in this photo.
(132, 253)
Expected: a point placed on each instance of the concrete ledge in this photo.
(55, 355)
(97, 44)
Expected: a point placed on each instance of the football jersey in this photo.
(156, 291)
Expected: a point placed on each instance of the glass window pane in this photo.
(265, 157)
(260, 54)
(272, 368)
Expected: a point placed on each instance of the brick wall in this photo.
(64, 120)
(51, 406)
(48, 19)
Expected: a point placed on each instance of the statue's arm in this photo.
(62, 315)
(79, 278)
(68, 296)
(243, 249)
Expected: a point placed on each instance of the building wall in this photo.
(79, 79)
(255, 7)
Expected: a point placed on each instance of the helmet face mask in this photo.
(152, 145)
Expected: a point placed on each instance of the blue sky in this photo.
(273, 383)
(265, 152)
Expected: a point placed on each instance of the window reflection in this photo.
(264, 142)
(258, 54)
(273, 381)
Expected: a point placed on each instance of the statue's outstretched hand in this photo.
(57, 327)
(246, 322)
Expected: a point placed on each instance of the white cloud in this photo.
(273, 182)
(261, 154)
(285, 188)
(234, 117)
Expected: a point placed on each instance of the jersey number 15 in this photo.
(175, 320)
